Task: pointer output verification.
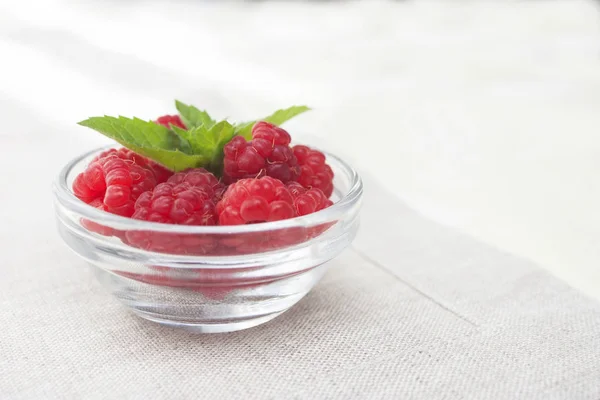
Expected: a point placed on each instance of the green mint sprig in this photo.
(193, 117)
(200, 145)
(277, 118)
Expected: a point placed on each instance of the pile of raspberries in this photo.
(263, 179)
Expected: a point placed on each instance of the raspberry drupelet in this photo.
(115, 179)
(267, 154)
(314, 171)
(255, 200)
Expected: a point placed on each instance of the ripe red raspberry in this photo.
(268, 153)
(168, 120)
(255, 200)
(201, 178)
(314, 171)
(113, 181)
(187, 198)
(308, 201)
(160, 173)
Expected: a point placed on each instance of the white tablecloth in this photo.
(419, 312)
(483, 116)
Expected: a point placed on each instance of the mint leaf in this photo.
(175, 160)
(141, 133)
(210, 142)
(220, 134)
(277, 118)
(281, 116)
(148, 139)
(201, 145)
(186, 135)
(245, 129)
(193, 117)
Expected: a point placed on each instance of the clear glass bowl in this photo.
(208, 278)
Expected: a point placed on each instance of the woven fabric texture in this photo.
(417, 311)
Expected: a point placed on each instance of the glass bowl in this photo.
(208, 278)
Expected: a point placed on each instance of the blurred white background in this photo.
(482, 115)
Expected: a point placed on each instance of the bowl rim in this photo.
(64, 195)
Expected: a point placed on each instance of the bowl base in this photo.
(223, 327)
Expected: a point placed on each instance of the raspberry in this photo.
(160, 173)
(113, 181)
(314, 171)
(255, 200)
(307, 201)
(187, 198)
(268, 153)
(201, 178)
(168, 120)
